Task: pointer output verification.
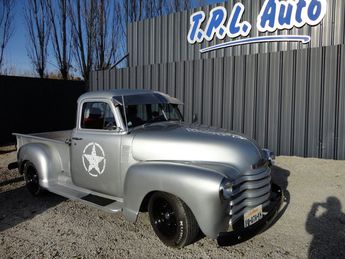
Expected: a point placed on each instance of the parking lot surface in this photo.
(311, 222)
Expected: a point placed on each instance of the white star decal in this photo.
(94, 160)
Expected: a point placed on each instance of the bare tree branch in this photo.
(83, 20)
(178, 5)
(6, 26)
(61, 31)
(38, 30)
(133, 10)
(159, 7)
(107, 33)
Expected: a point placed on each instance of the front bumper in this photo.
(239, 233)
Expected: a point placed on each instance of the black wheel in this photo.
(31, 179)
(172, 220)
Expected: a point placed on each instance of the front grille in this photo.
(249, 191)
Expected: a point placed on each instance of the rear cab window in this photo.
(97, 115)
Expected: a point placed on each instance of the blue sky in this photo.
(16, 55)
(16, 51)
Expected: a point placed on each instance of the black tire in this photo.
(172, 220)
(32, 179)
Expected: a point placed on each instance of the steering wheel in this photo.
(158, 118)
(110, 125)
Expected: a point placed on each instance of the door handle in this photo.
(74, 138)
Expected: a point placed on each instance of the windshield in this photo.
(148, 113)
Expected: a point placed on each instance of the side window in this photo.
(97, 115)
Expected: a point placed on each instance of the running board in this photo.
(99, 202)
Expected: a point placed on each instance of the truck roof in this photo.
(131, 96)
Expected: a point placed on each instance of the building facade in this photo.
(273, 70)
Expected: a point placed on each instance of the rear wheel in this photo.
(32, 179)
(172, 220)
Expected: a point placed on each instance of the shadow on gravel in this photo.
(18, 205)
(14, 180)
(326, 222)
(279, 177)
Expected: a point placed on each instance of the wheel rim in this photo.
(32, 180)
(164, 217)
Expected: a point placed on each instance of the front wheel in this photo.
(32, 179)
(172, 220)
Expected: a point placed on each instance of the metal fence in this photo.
(290, 101)
(164, 39)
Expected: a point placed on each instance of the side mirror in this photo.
(195, 118)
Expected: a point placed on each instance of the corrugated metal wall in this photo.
(290, 101)
(164, 39)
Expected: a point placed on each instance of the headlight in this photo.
(225, 189)
(269, 155)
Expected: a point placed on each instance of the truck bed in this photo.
(56, 135)
(55, 140)
(59, 136)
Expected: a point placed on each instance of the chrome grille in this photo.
(249, 191)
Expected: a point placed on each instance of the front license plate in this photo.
(253, 216)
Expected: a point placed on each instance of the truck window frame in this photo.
(113, 111)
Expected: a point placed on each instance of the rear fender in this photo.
(46, 160)
(198, 187)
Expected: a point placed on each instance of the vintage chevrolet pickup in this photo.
(131, 151)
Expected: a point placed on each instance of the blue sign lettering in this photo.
(216, 24)
(314, 10)
(285, 14)
(279, 15)
(300, 5)
(274, 15)
(268, 15)
(195, 33)
(236, 27)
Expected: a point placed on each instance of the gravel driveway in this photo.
(311, 223)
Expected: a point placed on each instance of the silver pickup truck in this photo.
(131, 152)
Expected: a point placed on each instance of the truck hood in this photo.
(184, 142)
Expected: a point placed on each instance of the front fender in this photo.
(45, 159)
(197, 186)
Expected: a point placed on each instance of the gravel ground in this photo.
(311, 223)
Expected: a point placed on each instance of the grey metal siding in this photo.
(286, 101)
(290, 101)
(167, 42)
(228, 86)
(217, 97)
(314, 115)
(340, 107)
(250, 96)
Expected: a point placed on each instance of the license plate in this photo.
(253, 216)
